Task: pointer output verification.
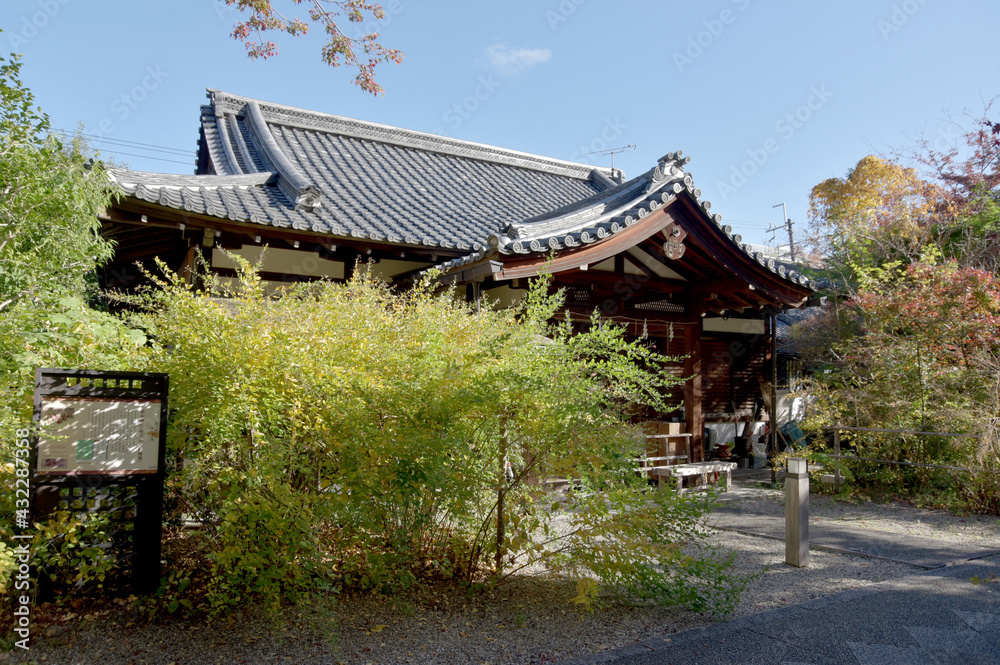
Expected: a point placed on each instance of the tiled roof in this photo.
(286, 167)
(605, 214)
(276, 165)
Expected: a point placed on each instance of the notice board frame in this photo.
(146, 486)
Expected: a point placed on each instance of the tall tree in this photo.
(340, 48)
(50, 198)
(970, 173)
(972, 165)
(889, 208)
(881, 211)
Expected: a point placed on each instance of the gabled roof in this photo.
(601, 218)
(277, 165)
(501, 211)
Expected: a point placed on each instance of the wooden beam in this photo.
(693, 393)
(274, 276)
(531, 265)
(130, 211)
(615, 284)
(654, 248)
(582, 311)
(719, 287)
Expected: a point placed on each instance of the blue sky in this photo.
(767, 98)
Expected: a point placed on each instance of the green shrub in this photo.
(350, 435)
(75, 555)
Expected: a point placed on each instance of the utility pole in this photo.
(787, 225)
(791, 239)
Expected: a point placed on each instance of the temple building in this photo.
(326, 193)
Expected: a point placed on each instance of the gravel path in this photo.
(530, 620)
(983, 530)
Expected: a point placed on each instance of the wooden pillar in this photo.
(692, 388)
(773, 416)
(188, 269)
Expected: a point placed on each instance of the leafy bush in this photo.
(921, 356)
(981, 489)
(73, 555)
(349, 435)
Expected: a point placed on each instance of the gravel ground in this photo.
(529, 620)
(897, 517)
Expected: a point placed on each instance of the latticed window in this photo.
(790, 373)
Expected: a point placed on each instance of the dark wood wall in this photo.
(732, 366)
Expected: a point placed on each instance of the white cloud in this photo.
(510, 61)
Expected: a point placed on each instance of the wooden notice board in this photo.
(99, 448)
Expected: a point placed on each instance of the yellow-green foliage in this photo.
(347, 434)
(73, 553)
(50, 199)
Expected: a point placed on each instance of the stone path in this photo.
(840, 537)
(946, 616)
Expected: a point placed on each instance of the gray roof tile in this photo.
(276, 165)
(373, 181)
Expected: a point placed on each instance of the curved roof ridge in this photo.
(296, 186)
(590, 224)
(362, 129)
(599, 208)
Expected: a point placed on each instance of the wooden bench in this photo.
(651, 465)
(681, 471)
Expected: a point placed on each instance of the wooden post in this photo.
(693, 388)
(836, 451)
(774, 397)
(188, 268)
(797, 513)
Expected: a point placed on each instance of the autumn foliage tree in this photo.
(362, 53)
(970, 174)
(919, 352)
(890, 208)
(881, 211)
(911, 338)
(925, 331)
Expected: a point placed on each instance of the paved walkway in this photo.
(941, 617)
(848, 539)
(949, 614)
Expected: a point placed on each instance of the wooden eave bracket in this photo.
(473, 273)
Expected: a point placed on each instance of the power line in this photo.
(161, 159)
(741, 222)
(128, 144)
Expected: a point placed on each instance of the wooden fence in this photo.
(837, 429)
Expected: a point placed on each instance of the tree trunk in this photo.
(501, 495)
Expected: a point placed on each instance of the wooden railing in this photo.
(837, 429)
